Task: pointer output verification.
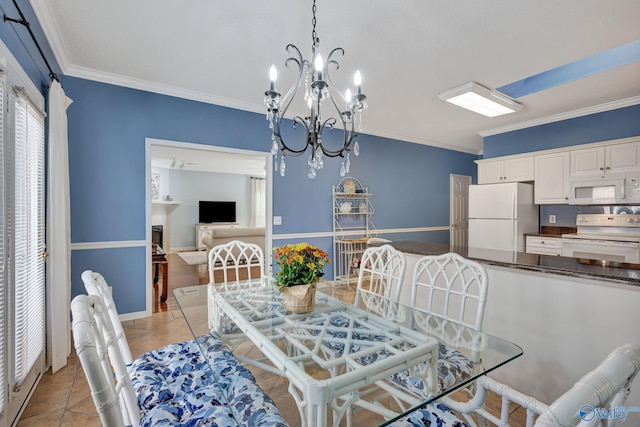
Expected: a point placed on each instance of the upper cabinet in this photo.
(551, 181)
(609, 159)
(516, 169)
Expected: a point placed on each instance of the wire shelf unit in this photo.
(352, 227)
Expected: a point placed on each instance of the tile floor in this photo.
(64, 399)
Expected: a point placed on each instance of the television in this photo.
(210, 211)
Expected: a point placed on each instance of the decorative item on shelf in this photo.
(362, 208)
(318, 88)
(355, 265)
(345, 208)
(349, 187)
(301, 266)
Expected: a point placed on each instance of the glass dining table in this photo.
(340, 356)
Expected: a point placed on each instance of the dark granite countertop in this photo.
(553, 231)
(623, 273)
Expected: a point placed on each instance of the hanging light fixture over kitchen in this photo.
(318, 88)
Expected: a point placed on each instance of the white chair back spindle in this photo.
(235, 263)
(99, 353)
(452, 287)
(380, 280)
(95, 284)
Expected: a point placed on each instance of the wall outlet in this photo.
(277, 220)
(552, 219)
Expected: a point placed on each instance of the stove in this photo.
(605, 237)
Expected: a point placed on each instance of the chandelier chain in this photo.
(314, 37)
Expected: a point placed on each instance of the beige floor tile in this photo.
(74, 419)
(51, 418)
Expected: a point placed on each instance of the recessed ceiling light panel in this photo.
(481, 100)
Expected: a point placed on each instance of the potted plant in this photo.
(300, 267)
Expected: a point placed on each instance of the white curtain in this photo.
(258, 202)
(58, 231)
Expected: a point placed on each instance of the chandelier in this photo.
(319, 91)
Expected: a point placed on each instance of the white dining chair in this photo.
(179, 375)
(449, 295)
(380, 279)
(111, 389)
(161, 374)
(234, 267)
(607, 386)
(452, 287)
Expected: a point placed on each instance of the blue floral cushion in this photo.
(432, 415)
(453, 368)
(201, 408)
(168, 373)
(251, 405)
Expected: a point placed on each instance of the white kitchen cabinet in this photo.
(544, 245)
(519, 169)
(610, 159)
(621, 158)
(551, 179)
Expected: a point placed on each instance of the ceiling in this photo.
(220, 52)
(207, 160)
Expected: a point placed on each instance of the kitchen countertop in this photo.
(624, 273)
(553, 231)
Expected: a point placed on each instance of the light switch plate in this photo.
(277, 220)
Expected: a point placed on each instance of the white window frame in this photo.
(15, 394)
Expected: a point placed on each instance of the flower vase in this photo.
(300, 298)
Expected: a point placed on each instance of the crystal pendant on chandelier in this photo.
(318, 88)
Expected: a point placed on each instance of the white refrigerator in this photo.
(500, 215)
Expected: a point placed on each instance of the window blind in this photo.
(3, 279)
(28, 237)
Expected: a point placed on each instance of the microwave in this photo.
(610, 190)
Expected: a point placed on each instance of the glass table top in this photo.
(339, 347)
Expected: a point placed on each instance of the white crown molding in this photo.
(145, 85)
(613, 105)
(51, 31)
(118, 80)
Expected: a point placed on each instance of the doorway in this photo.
(459, 210)
(194, 165)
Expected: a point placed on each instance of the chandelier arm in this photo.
(330, 122)
(288, 98)
(288, 150)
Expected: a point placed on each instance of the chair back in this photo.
(95, 284)
(605, 387)
(452, 287)
(380, 279)
(101, 360)
(236, 265)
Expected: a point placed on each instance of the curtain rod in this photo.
(23, 21)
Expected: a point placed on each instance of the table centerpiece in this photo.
(300, 267)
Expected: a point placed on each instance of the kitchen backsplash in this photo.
(566, 214)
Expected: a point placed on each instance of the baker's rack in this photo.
(352, 227)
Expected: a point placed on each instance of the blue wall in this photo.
(107, 130)
(607, 125)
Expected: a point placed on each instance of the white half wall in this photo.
(566, 327)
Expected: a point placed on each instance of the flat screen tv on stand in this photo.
(216, 212)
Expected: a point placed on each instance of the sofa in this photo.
(219, 236)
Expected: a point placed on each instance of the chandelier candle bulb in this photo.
(357, 80)
(347, 98)
(319, 66)
(273, 76)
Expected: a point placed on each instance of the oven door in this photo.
(607, 250)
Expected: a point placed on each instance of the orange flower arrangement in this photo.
(300, 264)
